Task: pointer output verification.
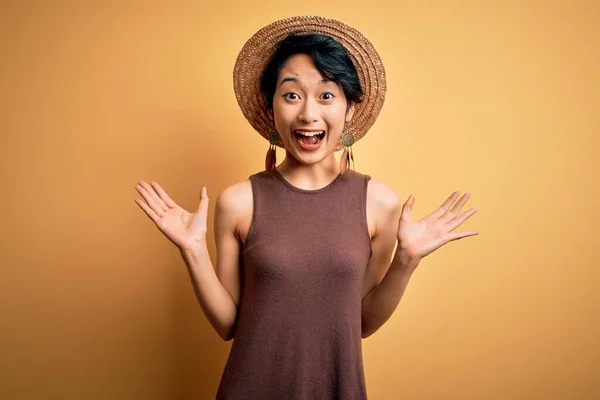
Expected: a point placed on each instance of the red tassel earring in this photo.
(347, 155)
(271, 158)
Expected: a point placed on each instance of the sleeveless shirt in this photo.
(298, 329)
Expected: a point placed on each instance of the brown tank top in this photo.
(298, 331)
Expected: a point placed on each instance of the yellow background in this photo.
(496, 98)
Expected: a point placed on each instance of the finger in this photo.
(163, 195)
(407, 207)
(154, 196)
(461, 235)
(147, 209)
(203, 206)
(445, 206)
(150, 201)
(456, 222)
(454, 211)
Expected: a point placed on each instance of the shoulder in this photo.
(378, 192)
(382, 196)
(383, 204)
(236, 195)
(238, 198)
(234, 203)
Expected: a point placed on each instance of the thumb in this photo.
(407, 207)
(203, 206)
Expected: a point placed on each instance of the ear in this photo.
(270, 114)
(350, 111)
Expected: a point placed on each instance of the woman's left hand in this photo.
(420, 238)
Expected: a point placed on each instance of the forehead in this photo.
(302, 67)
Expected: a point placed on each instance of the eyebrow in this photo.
(291, 79)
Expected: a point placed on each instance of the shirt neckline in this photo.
(300, 190)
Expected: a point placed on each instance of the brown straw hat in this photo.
(259, 49)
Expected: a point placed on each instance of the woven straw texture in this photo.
(259, 49)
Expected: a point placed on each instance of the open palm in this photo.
(420, 238)
(184, 229)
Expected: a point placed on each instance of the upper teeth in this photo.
(309, 133)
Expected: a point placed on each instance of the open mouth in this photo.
(309, 137)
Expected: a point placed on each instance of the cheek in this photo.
(283, 119)
(283, 112)
(335, 117)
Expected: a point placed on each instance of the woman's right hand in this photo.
(185, 230)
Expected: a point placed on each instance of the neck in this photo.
(309, 176)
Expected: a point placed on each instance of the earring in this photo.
(347, 156)
(271, 158)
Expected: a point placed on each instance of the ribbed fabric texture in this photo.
(298, 333)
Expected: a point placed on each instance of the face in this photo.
(306, 103)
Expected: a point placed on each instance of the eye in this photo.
(327, 96)
(291, 96)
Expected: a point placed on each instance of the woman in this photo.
(303, 248)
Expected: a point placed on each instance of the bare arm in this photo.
(416, 239)
(381, 302)
(217, 292)
(384, 282)
(216, 303)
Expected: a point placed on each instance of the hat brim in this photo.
(259, 49)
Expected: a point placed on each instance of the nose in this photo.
(309, 112)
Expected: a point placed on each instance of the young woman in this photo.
(305, 268)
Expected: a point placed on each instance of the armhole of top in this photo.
(251, 229)
(364, 212)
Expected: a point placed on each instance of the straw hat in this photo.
(258, 50)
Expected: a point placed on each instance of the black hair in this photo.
(329, 56)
